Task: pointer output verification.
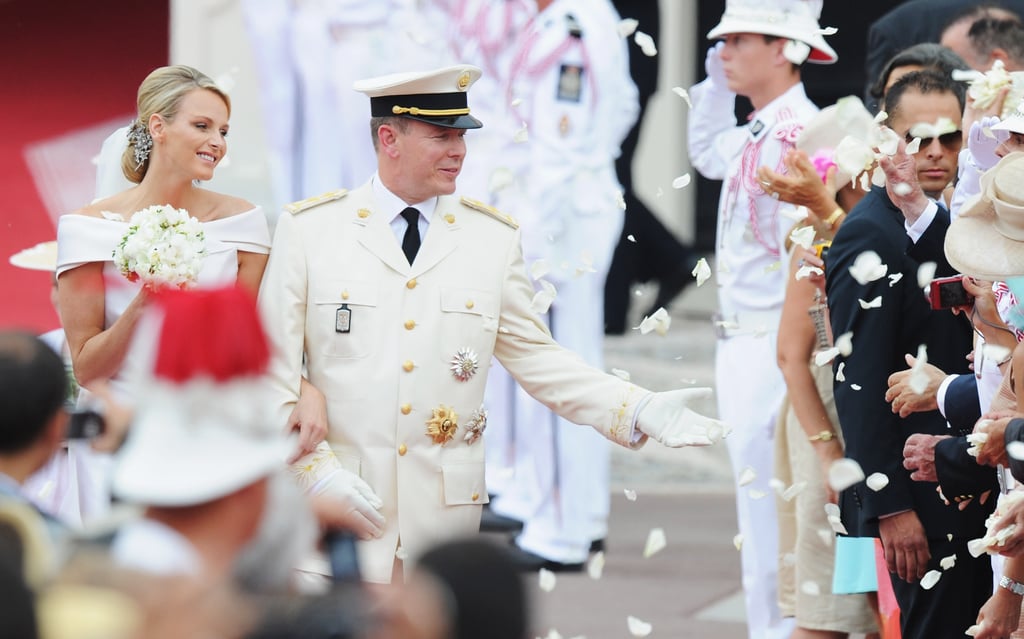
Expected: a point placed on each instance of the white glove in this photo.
(668, 419)
(357, 501)
(714, 68)
(983, 146)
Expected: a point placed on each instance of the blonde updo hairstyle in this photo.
(161, 92)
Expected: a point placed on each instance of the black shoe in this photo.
(491, 521)
(530, 562)
(597, 546)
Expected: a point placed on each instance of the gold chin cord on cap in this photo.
(399, 110)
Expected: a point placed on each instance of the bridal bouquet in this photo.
(163, 246)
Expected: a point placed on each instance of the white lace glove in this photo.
(714, 68)
(983, 146)
(668, 419)
(356, 499)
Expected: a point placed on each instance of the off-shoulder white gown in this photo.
(74, 486)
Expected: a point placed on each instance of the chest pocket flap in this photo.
(468, 300)
(351, 292)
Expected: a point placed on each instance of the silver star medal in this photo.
(464, 364)
(476, 425)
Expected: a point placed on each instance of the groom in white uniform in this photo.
(395, 296)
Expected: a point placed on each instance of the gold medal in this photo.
(442, 424)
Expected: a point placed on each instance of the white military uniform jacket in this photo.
(392, 371)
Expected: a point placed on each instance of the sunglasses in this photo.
(951, 141)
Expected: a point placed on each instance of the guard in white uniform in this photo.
(395, 296)
(572, 92)
(765, 41)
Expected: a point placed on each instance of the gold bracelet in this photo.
(836, 214)
(823, 436)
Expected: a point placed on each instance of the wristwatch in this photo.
(823, 436)
(1015, 587)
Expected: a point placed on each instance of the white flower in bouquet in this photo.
(163, 246)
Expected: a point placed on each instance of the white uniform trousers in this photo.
(750, 388)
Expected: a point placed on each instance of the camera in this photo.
(948, 292)
(85, 424)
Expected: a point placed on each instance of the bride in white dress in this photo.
(178, 140)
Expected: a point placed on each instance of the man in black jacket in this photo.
(917, 530)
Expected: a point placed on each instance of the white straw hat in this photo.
(793, 19)
(986, 240)
(41, 257)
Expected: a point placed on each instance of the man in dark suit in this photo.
(916, 21)
(911, 521)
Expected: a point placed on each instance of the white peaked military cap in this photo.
(437, 97)
(793, 19)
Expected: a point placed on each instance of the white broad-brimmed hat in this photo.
(202, 428)
(847, 117)
(41, 257)
(986, 240)
(437, 97)
(1014, 122)
(793, 19)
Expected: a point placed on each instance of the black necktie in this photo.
(411, 239)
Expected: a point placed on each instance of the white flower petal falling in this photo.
(747, 476)
(646, 44)
(930, 579)
(595, 567)
(627, 26)
(656, 542)
(868, 267)
(877, 481)
(918, 380)
(658, 322)
(546, 579)
(844, 473)
(925, 274)
(638, 628)
(681, 92)
(701, 271)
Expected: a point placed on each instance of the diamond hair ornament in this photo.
(141, 142)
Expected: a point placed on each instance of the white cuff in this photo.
(940, 395)
(917, 229)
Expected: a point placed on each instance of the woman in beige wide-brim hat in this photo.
(986, 244)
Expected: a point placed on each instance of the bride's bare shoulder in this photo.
(220, 205)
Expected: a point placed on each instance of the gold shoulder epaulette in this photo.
(300, 206)
(490, 210)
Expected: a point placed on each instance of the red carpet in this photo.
(66, 64)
